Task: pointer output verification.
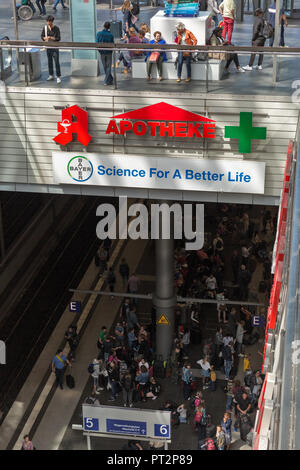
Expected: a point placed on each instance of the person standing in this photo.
(228, 10)
(133, 284)
(212, 8)
(220, 435)
(128, 385)
(52, 33)
(27, 444)
(105, 36)
(282, 22)
(258, 39)
(239, 337)
(184, 37)
(227, 356)
(62, 4)
(186, 378)
(226, 427)
(58, 366)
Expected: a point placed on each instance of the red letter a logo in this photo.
(68, 127)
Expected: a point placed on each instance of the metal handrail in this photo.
(148, 47)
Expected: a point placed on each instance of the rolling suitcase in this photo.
(116, 28)
(70, 381)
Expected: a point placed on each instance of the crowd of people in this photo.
(127, 367)
(223, 14)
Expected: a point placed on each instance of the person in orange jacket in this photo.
(184, 37)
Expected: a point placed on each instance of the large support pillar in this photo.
(164, 299)
(240, 12)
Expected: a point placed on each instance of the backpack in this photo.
(203, 419)
(198, 417)
(210, 445)
(267, 30)
(90, 368)
(135, 8)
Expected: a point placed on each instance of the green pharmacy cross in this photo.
(245, 132)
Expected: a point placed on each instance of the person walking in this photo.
(124, 272)
(52, 33)
(111, 280)
(205, 372)
(62, 4)
(58, 366)
(228, 10)
(105, 36)
(41, 6)
(184, 37)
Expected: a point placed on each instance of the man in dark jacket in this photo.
(51, 33)
(105, 36)
(258, 39)
(124, 272)
(244, 277)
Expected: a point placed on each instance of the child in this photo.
(247, 362)
(220, 435)
(213, 379)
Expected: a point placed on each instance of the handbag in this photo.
(133, 19)
(154, 56)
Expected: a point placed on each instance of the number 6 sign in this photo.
(161, 430)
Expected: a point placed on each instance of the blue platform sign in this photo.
(75, 306)
(161, 430)
(91, 424)
(119, 426)
(258, 321)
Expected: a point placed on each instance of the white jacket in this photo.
(212, 7)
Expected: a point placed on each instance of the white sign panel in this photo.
(130, 421)
(184, 174)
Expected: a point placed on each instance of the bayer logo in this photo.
(80, 168)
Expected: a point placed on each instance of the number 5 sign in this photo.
(161, 430)
(91, 424)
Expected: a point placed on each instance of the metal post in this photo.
(88, 441)
(206, 74)
(115, 72)
(240, 12)
(27, 72)
(275, 63)
(2, 243)
(2, 73)
(14, 5)
(164, 299)
(166, 445)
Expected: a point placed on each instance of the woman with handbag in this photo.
(156, 57)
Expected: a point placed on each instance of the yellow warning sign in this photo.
(163, 320)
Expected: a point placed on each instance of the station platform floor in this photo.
(46, 412)
(250, 83)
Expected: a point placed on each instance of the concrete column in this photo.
(164, 299)
(240, 11)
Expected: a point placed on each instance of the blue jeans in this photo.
(227, 367)
(187, 59)
(106, 62)
(41, 7)
(186, 390)
(57, 2)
